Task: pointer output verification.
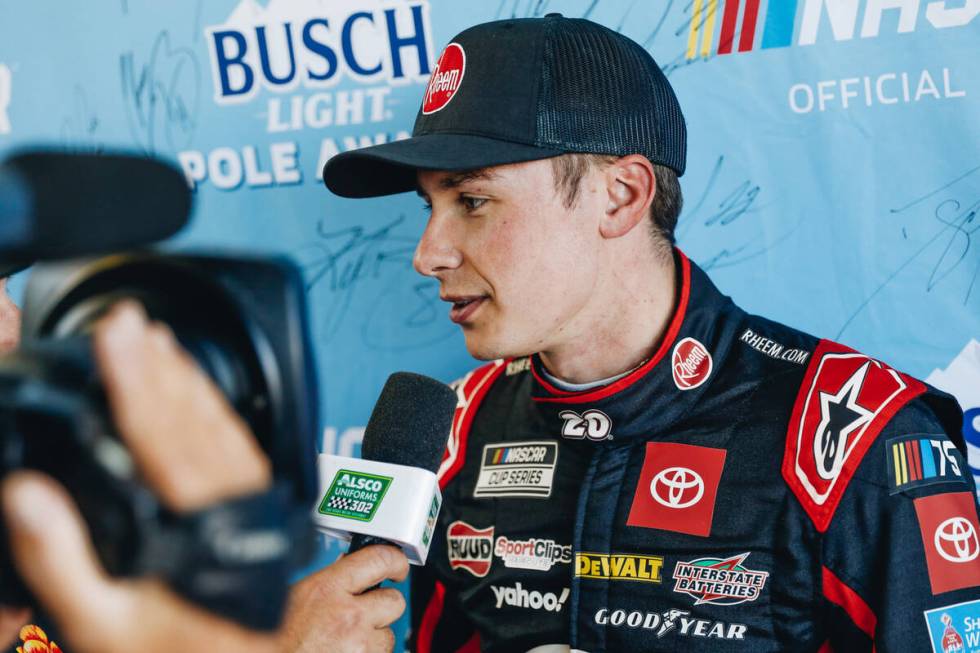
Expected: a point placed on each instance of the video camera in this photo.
(243, 319)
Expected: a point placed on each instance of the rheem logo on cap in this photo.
(445, 79)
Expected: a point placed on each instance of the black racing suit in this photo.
(749, 488)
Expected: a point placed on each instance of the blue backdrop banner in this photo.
(833, 178)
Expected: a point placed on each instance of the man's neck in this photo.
(626, 324)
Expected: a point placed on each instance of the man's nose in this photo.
(437, 250)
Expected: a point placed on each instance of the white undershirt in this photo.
(589, 385)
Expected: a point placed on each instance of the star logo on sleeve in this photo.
(841, 415)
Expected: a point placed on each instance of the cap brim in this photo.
(390, 168)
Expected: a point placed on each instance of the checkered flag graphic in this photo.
(339, 503)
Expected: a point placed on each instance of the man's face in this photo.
(518, 267)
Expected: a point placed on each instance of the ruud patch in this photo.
(470, 548)
(517, 469)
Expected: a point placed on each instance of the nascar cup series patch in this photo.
(354, 495)
(517, 469)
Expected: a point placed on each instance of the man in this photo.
(645, 466)
(193, 451)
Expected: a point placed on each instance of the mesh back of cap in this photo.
(602, 93)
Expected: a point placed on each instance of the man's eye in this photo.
(427, 206)
(472, 203)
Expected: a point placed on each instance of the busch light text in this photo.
(279, 51)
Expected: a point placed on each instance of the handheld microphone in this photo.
(391, 494)
(56, 205)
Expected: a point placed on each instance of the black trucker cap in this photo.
(521, 90)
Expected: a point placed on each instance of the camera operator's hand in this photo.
(11, 619)
(192, 449)
(9, 320)
(327, 611)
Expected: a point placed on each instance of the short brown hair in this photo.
(569, 169)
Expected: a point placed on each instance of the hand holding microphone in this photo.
(388, 497)
(391, 495)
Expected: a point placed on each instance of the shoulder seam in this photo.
(823, 450)
(470, 391)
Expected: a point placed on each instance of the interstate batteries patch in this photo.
(354, 495)
(517, 469)
(722, 581)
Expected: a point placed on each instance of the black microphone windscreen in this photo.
(57, 205)
(410, 423)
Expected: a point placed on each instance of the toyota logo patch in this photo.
(956, 540)
(677, 487)
(949, 529)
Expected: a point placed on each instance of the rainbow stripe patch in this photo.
(726, 26)
(917, 460)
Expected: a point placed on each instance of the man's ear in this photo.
(630, 185)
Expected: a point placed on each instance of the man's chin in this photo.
(481, 347)
(484, 349)
(481, 352)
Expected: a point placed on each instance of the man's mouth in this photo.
(464, 307)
